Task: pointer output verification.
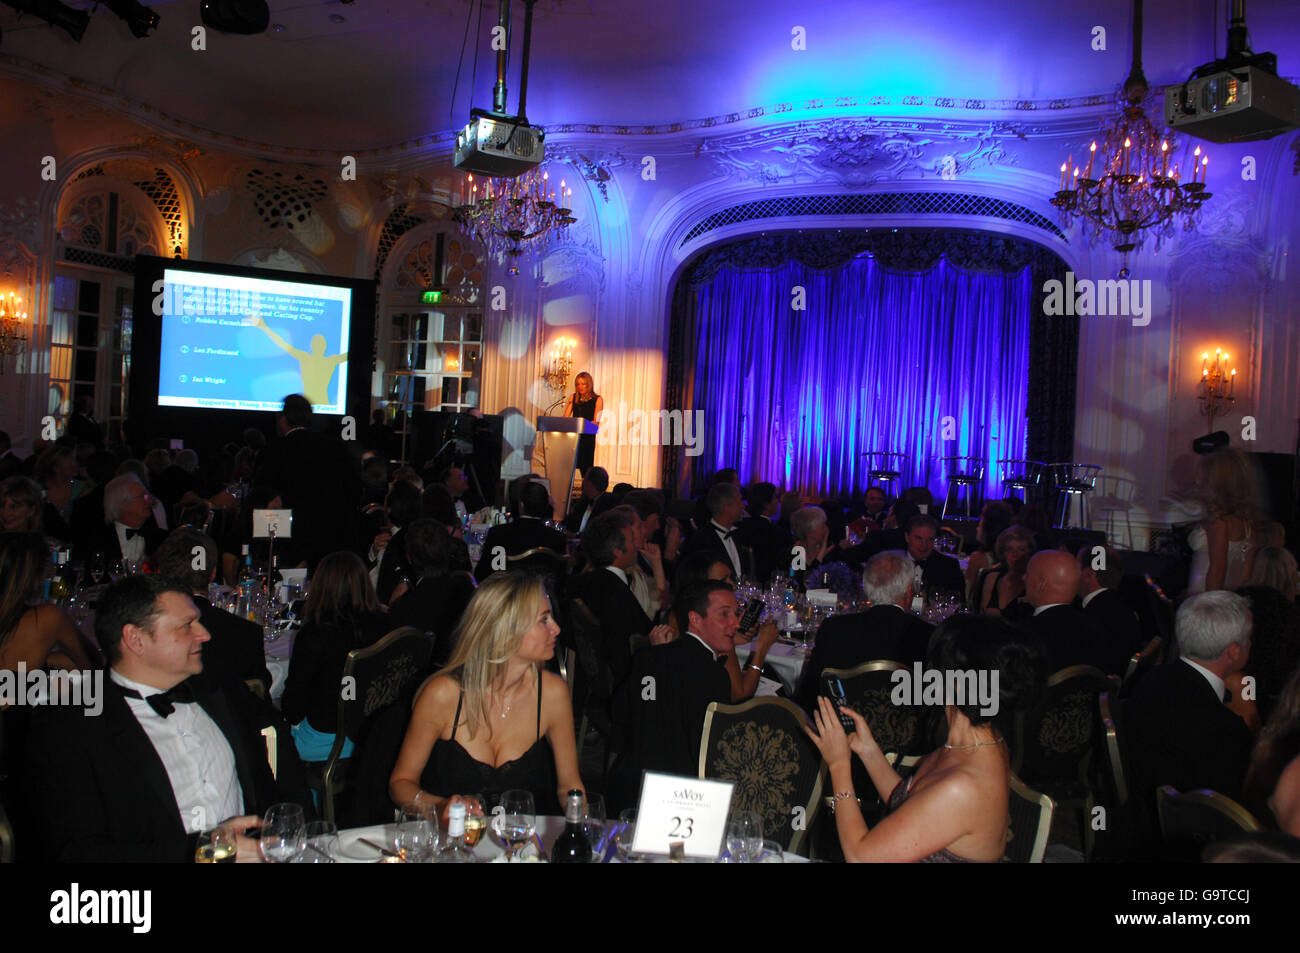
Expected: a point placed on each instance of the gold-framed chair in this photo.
(761, 747)
(1110, 710)
(1052, 744)
(1031, 824)
(868, 690)
(1141, 663)
(1190, 820)
(373, 678)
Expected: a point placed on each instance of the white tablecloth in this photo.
(352, 851)
(787, 660)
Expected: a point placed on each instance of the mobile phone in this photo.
(833, 689)
(748, 619)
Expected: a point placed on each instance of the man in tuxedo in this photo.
(933, 569)
(610, 547)
(1063, 632)
(887, 630)
(172, 753)
(82, 425)
(236, 645)
(313, 476)
(719, 535)
(1100, 574)
(129, 530)
(760, 531)
(529, 531)
(664, 703)
(594, 484)
(1180, 732)
(877, 508)
(10, 463)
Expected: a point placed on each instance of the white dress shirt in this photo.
(622, 576)
(133, 548)
(705, 644)
(196, 756)
(729, 545)
(1041, 609)
(1215, 682)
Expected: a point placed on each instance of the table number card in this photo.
(677, 808)
(266, 522)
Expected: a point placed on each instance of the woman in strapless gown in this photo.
(1223, 546)
(954, 808)
(493, 720)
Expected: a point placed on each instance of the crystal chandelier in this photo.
(1128, 189)
(505, 214)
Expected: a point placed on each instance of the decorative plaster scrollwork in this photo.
(20, 221)
(1223, 247)
(594, 165)
(859, 152)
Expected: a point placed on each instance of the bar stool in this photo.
(965, 475)
(885, 468)
(1073, 483)
(1017, 476)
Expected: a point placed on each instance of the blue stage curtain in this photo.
(876, 360)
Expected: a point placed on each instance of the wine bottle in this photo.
(455, 850)
(572, 847)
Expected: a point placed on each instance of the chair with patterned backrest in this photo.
(593, 679)
(373, 678)
(868, 690)
(1031, 824)
(1053, 742)
(761, 747)
(1193, 819)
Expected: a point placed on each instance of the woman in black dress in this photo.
(585, 403)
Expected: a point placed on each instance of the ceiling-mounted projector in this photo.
(495, 143)
(1239, 98)
(496, 146)
(1234, 106)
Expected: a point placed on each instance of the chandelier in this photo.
(12, 333)
(507, 213)
(1129, 190)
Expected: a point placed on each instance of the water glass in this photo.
(593, 823)
(417, 835)
(771, 854)
(744, 836)
(626, 834)
(284, 833)
(517, 822)
(322, 844)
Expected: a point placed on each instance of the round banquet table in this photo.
(786, 660)
(487, 850)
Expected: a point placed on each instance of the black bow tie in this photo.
(164, 703)
(131, 533)
(725, 533)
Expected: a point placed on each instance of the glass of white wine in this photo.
(215, 847)
(475, 821)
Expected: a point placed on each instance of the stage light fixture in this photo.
(70, 21)
(236, 16)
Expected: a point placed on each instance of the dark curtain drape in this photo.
(899, 327)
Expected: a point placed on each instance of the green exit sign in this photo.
(431, 297)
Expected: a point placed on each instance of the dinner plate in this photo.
(351, 848)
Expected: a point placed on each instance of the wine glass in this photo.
(475, 821)
(95, 572)
(322, 844)
(417, 834)
(594, 823)
(626, 834)
(517, 821)
(744, 836)
(118, 570)
(283, 833)
(216, 847)
(771, 854)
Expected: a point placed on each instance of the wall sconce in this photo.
(13, 330)
(556, 374)
(1218, 385)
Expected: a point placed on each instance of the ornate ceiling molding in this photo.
(856, 153)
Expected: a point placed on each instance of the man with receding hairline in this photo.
(1064, 633)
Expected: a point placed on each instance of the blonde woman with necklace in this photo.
(494, 720)
(954, 807)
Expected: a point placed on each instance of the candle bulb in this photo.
(1092, 154)
(1205, 161)
(1164, 159)
(1195, 162)
(1128, 144)
(1062, 176)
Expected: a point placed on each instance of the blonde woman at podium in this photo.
(585, 403)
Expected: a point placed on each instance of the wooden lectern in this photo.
(561, 445)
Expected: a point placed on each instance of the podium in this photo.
(561, 435)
